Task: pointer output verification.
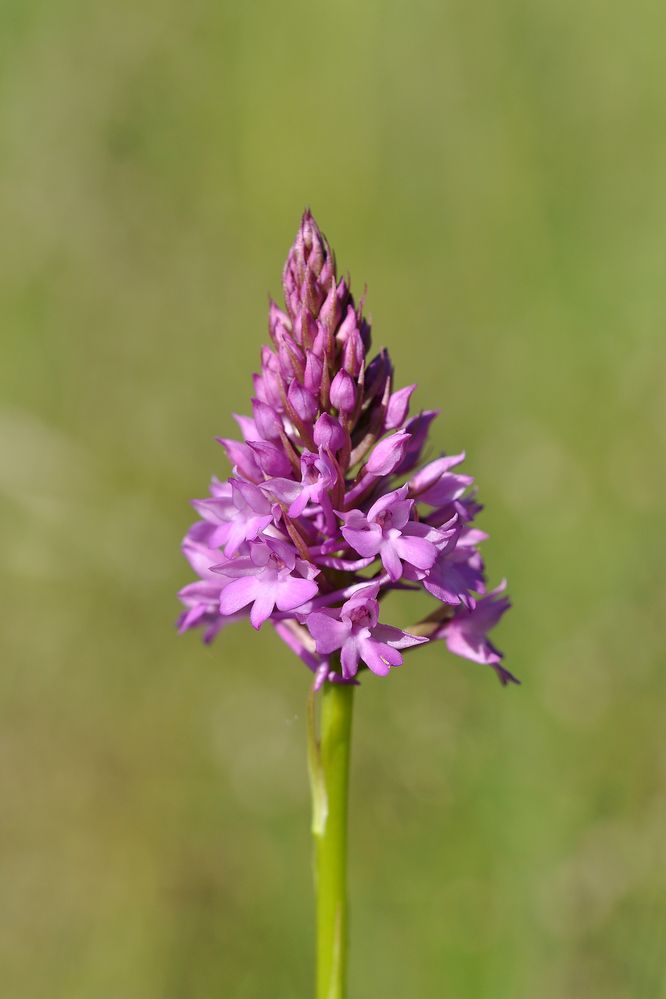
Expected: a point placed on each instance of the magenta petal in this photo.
(241, 456)
(486, 614)
(391, 501)
(191, 617)
(398, 407)
(433, 471)
(471, 536)
(349, 658)
(343, 392)
(292, 591)
(267, 421)
(328, 433)
(214, 511)
(255, 525)
(238, 593)
(285, 490)
(418, 427)
(201, 558)
(396, 638)
(449, 487)
(299, 504)
(219, 489)
(248, 427)
(478, 651)
(366, 542)
(219, 536)
(328, 633)
(241, 566)
(248, 496)
(400, 512)
(447, 582)
(378, 656)
(284, 550)
(270, 457)
(416, 551)
(235, 537)
(388, 454)
(306, 569)
(390, 560)
(304, 403)
(263, 606)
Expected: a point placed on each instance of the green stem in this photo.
(328, 760)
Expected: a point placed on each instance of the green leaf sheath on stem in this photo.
(328, 761)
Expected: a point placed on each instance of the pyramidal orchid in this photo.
(329, 506)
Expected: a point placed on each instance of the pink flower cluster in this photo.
(328, 506)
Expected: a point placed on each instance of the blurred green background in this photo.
(495, 173)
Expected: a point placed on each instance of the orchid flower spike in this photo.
(328, 506)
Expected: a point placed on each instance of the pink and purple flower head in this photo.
(328, 506)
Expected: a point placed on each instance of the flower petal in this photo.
(433, 471)
(238, 593)
(349, 658)
(396, 638)
(416, 551)
(329, 633)
(366, 539)
(378, 656)
(292, 591)
(390, 501)
(449, 487)
(264, 604)
(390, 560)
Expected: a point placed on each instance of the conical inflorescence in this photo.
(329, 507)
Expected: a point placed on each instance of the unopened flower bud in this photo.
(347, 326)
(398, 407)
(290, 357)
(353, 354)
(303, 402)
(305, 328)
(388, 454)
(343, 392)
(329, 313)
(366, 333)
(328, 433)
(321, 341)
(271, 458)
(377, 373)
(267, 421)
(327, 271)
(309, 270)
(343, 295)
(313, 371)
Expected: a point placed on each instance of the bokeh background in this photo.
(495, 173)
